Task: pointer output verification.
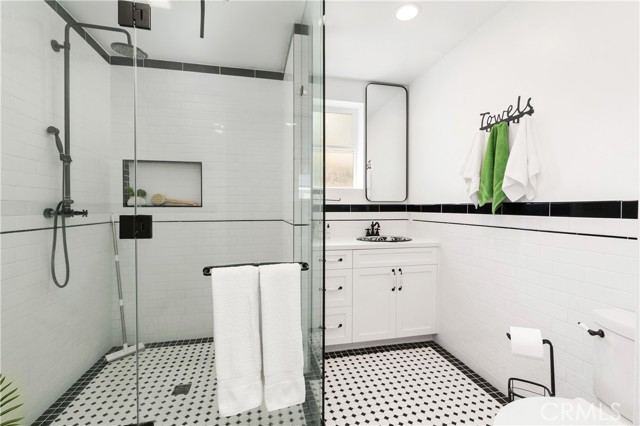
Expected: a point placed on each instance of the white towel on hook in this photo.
(282, 335)
(472, 165)
(236, 337)
(523, 166)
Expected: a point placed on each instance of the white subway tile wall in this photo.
(491, 279)
(174, 297)
(234, 126)
(51, 336)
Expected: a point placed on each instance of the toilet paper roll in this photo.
(527, 342)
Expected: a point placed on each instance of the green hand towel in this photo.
(494, 166)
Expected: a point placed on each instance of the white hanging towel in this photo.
(236, 337)
(523, 166)
(282, 335)
(472, 165)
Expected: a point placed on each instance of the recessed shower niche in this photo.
(162, 183)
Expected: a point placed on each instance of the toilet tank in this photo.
(613, 364)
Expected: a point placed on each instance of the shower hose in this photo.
(59, 211)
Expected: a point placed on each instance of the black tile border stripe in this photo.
(49, 228)
(170, 65)
(17, 231)
(591, 209)
(462, 367)
(581, 234)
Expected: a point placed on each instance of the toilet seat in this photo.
(557, 411)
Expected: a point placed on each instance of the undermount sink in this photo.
(384, 239)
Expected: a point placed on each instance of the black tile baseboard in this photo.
(592, 209)
(601, 209)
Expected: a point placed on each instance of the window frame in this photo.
(356, 110)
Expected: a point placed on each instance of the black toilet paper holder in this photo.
(515, 385)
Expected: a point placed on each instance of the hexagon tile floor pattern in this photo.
(416, 383)
(107, 395)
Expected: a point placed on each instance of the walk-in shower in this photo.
(202, 120)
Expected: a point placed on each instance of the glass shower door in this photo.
(61, 183)
(224, 156)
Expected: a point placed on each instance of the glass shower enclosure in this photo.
(132, 159)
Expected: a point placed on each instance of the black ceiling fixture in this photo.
(201, 18)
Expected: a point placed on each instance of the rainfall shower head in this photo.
(127, 50)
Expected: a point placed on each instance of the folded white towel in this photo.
(472, 165)
(282, 336)
(236, 337)
(523, 167)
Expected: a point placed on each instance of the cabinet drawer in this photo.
(395, 257)
(337, 322)
(338, 259)
(338, 283)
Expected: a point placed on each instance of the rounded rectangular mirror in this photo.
(386, 142)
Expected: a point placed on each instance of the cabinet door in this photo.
(337, 323)
(337, 288)
(374, 304)
(417, 300)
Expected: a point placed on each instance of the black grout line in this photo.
(528, 229)
(18, 231)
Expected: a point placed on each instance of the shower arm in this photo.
(66, 190)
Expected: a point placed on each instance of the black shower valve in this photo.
(50, 213)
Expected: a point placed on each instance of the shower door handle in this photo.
(136, 227)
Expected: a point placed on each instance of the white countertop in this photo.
(353, 244)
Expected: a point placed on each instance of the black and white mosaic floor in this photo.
(106, 395)
(416, 383)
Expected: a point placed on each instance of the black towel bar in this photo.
(304, 266)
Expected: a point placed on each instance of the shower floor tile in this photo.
(110, 397)
(417, 383)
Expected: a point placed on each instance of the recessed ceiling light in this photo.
(407, 12)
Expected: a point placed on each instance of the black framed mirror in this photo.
(386, 142)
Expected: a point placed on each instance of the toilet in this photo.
(612, 383)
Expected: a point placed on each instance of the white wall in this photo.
(51, 336)
(579, 63)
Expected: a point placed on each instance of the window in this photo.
(344, 137)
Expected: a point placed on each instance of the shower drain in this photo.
(181, 389)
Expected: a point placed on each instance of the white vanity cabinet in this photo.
(383, 294)
(338, 279)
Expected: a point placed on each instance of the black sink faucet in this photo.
(374, 231)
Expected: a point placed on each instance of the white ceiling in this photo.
(243, 34)
(365, 41)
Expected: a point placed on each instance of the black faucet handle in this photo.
(84, 213)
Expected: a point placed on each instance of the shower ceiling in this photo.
(260, 42)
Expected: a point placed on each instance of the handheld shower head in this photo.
(128, 50)
(56, 132)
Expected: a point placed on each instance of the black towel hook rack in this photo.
(511, 113)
